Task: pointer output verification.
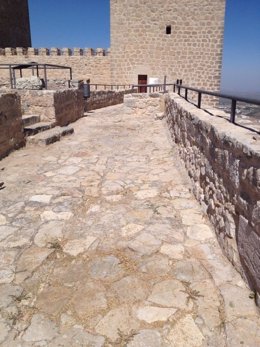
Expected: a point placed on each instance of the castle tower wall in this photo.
(14, 24)
(181, 39)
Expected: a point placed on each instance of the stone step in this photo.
(50, 136)
(37, 128)
(30, 119)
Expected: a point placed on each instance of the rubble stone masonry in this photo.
(11, 129)
(223, 162)
(191, 52)
(104, 98)
(59, 107)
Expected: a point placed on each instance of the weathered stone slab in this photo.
(117, 320)
(41, 329)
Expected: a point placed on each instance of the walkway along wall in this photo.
(223, 162)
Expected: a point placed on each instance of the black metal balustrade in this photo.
(234, 99)
(178, 86)
(151, 88)
(95, 86)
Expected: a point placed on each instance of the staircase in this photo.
(43, 133)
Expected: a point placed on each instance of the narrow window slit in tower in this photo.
(168, 29)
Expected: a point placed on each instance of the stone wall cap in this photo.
(249, 140)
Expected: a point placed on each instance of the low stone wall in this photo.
(141, 103)
(60, 107)
(39, 102)
(104, 98)
(11, 130)
(69, 106)
(223, 162)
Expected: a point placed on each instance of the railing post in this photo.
(179, 90)
(186, 94)
(45, 77)
(233, 111)
(11, 77)
(164, 84)
(174, 88)
(199, 100)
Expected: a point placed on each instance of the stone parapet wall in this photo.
(85, 63)
(223, 162)
(60, 107)
(69, 106)
(11, 129)
(104, 98)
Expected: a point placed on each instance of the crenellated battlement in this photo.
(86, 63)
(26, 52)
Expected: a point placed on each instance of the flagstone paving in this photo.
(103, 244)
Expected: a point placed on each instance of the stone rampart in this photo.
(85, 63)
(104, 98)
(60, 107)
(223, 162)
(11, 130)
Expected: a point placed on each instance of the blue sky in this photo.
(85, 23)
(241, 58)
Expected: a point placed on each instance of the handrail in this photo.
(153, 87)
(111, 86)
(234, 99)
(33, 65)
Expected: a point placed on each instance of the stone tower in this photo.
(14, 24)
(180, 39)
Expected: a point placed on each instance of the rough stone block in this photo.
(223, 164)
(11, 129)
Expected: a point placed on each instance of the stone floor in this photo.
(102, 244)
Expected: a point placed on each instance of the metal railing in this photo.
(178, 86)
(35, 68)
(234, 99)
(95, 86)
(151, 88)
